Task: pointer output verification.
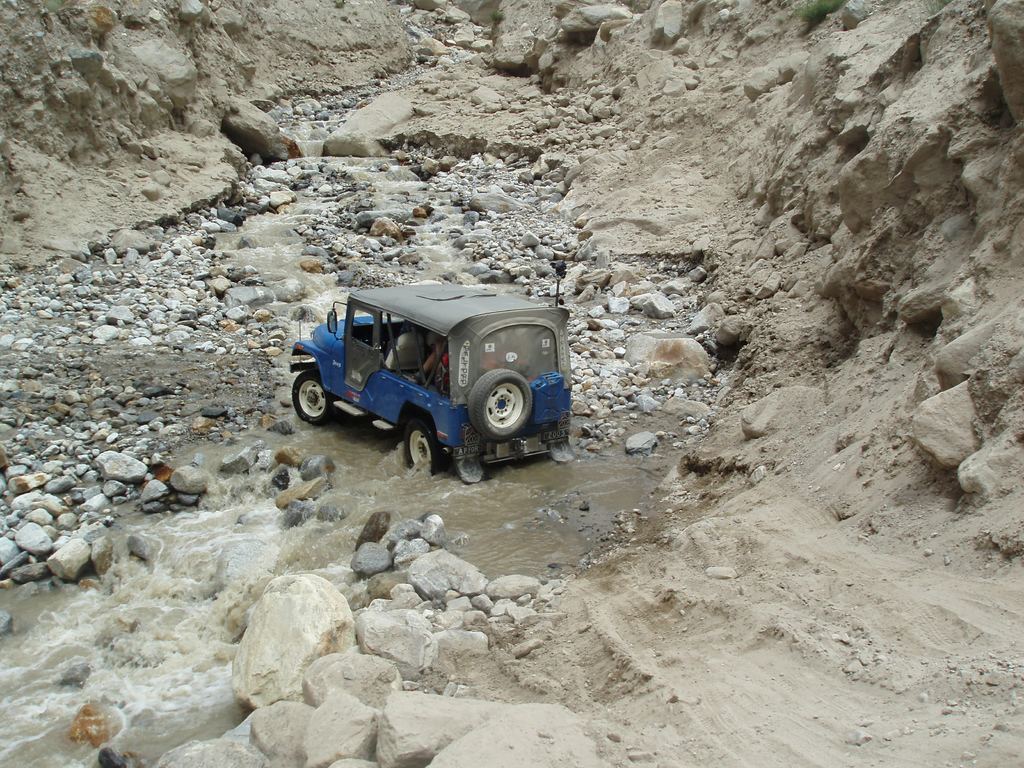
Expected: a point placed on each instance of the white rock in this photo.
(340, 728)
(513, 587)
(403, 636)
(371, 679)
(669, 356)
(279, 731)
(33, 539)
(68, 562)
(298, 619)
(122, 467)
(944, 426)
(414, 727)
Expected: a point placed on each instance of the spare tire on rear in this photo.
(500, 404)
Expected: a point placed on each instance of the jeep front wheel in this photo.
(421, 448)
(309, 398)
(500, 404)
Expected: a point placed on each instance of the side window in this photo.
(364, 326)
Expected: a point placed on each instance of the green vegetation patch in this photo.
(815, 11)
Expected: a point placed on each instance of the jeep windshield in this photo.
(529, 350)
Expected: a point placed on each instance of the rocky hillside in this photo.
(110, 114)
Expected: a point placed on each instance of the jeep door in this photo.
(362, 345)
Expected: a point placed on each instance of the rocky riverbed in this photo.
(146, 382)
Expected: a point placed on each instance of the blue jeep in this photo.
(470, 376)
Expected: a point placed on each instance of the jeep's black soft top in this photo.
(440, 308)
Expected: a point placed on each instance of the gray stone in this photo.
(239, 462)
(248, 296)
(87, 63)
(495, 200)
(142, 547)
(340, 728)
(853, 13)
(436, 573)
(654, 305)
(191, 10)
(407, 550)
(403, 636)
(8, 550)
(641, 444)
(122, 467)
(1006, 29)
(720, 572)
(433, 531)
(371, 558)
(153, 491)
(318, 465)
(189, 479)
(668, 23)
(33, 539)
(68, 562)
(6, 623)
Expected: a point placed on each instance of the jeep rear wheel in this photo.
(500, 404)
(421, 448)
(309, 398)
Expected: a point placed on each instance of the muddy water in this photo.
(159, 636)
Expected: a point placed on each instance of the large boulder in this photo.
(669, 356)
(279, 732)
(254, 132)
(1006, 28)
(361, 134)
(780, 409)
(371, 679)
(537, 735)
(298, 619)
(170, 67)
(433, 574)
(341, 728)
(404, 636)
(944, 426)
(414, 727)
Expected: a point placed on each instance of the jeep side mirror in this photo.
(332, 322)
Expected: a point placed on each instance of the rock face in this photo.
(415, 727)
(435, 573)
(360, 135)
(669, 356)
(944, 426)
(404, 636)
(1006, 28)
(298, 619)
(255, 133)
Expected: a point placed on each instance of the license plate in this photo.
(461, 451)
(554, 434)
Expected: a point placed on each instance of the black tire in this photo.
(500, 404)
(311, 401)
(421, 449)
